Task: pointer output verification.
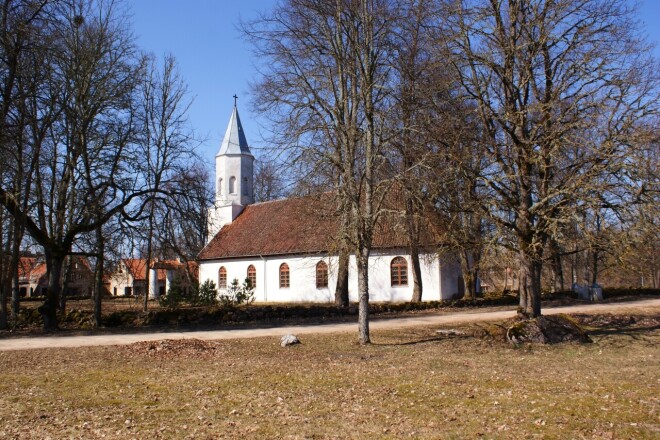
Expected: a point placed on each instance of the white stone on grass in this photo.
(289, 340)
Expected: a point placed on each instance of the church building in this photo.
(287, 248)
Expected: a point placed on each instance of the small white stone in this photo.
(289, 340)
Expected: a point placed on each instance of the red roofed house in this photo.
(286, 247)
(33, 278)
(130, 277)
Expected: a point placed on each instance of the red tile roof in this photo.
(25, 266)
(301, 225)
(136, 267)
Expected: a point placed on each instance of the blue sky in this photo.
(216, 63)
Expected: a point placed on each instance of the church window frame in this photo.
(220, 186)
(222, 277)
(285, 276)
(398, 272)
(252, 276)
(232, 185)
(321, 275)
(245, 186)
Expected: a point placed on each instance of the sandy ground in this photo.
(54, 341)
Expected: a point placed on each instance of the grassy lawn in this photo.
(410, 383)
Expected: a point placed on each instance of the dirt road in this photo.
(29, 343)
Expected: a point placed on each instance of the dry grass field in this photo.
(411, 383)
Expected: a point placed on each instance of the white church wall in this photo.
(380, 286)
(302, 272)
(438, 282)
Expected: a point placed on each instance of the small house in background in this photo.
(129, 279)
(33, 277)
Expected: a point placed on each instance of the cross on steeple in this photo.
(235, 99)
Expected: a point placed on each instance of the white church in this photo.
(286, 248)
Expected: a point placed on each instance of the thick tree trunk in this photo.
(530, 286)
(413, 241)
(469, 272)
(341, 292)
(416, 275)
(48, 309)
(363, 295)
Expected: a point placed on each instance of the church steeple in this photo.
(234, 178)
(234, 141)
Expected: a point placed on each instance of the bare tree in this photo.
(541, 73)
(325, 87)
(164, 143)
(268, 181)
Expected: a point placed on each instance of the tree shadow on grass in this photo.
(423, 340)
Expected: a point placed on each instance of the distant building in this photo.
(129, 279)
(33, 277)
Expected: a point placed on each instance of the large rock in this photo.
(546, 330)
(289, 340)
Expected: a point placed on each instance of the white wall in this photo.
(437, 279)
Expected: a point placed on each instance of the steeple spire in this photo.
(234, 176)
(234, 141)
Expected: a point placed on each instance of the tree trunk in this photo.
(4, 322)
(15, 260)
(66, 265)
(363, 295)
(98, 273)
(48, 309)
(147, 276)
(556, 263)
(341, 292)
(416, 275)
(530, 286)
(413, 240)
(468, 270)
(4, 312)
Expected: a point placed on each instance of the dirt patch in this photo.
(174, 348)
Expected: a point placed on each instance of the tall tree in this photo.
(325, 87)
(165, 142)
(541, 73)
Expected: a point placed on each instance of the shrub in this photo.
(173, 298)
(238, 293)
(206, 294)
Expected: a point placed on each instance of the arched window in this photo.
(284, 276)
(321, 274)
(399, 272)
(245, 186)
(252, 276)
(222, 278)
(220, 186)
(232, 185)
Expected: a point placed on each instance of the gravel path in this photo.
(32, 342)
